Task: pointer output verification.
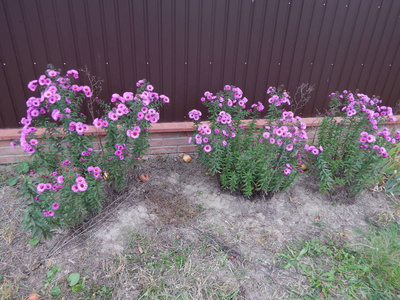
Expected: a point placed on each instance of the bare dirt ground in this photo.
(178, 236)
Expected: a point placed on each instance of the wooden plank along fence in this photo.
(186, 47)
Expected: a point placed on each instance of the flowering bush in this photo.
(352, 142)
(130, 116)
(68, 181)
(248, 158)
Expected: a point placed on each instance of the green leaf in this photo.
(12, 181)
(56, 291)
(50, 273)
(33, 241)
(302, 252)
(77, 288)
(73, 278)
(23, 167)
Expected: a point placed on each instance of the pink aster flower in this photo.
(55, 206)
(86, 89)
(289, 147)
(134, 134)
(76, 88)
(98, 123)
(60, 179)
(315, 151)
(40, 188)
(33, 142)
(52, 73)
(32, 85)
(50, 213)
(82, 186)
(128, 96)
(266, 135)
(140, 115)
(113, 116)
(34, 113)
(73, 72)
(371, 138)
(207, 148)
(56, 114)
(80, 179)
(287, 171)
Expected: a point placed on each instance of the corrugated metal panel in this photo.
(186, 47)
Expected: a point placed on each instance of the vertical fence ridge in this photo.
(14, 50)
(387, 49)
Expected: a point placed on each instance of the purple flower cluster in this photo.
(85, 154)
(99, 123)
(224, 118)
(41, 187)
(51, 86)
(79, 127)
(118, 111)
(203, 137)
(359, 104)
(195, 114)
(277, 99)
(50, 213)
(236, 93)
(314, 150)
(145, 98)
(134, 133)
(259, 106)
(80, 184)
(369, 141)
(119, 152)
(95, 171)
(287, 170)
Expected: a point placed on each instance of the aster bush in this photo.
(354, 142)
(66, 178)
(130, 116)
(247, 157)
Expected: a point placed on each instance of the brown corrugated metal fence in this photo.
(185, 47)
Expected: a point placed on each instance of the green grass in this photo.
(366, 270)
(180, 270)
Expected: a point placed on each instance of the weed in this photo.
(50, 284)
(180, 271)
(360, 271)
(8, 232)
(8, 289)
